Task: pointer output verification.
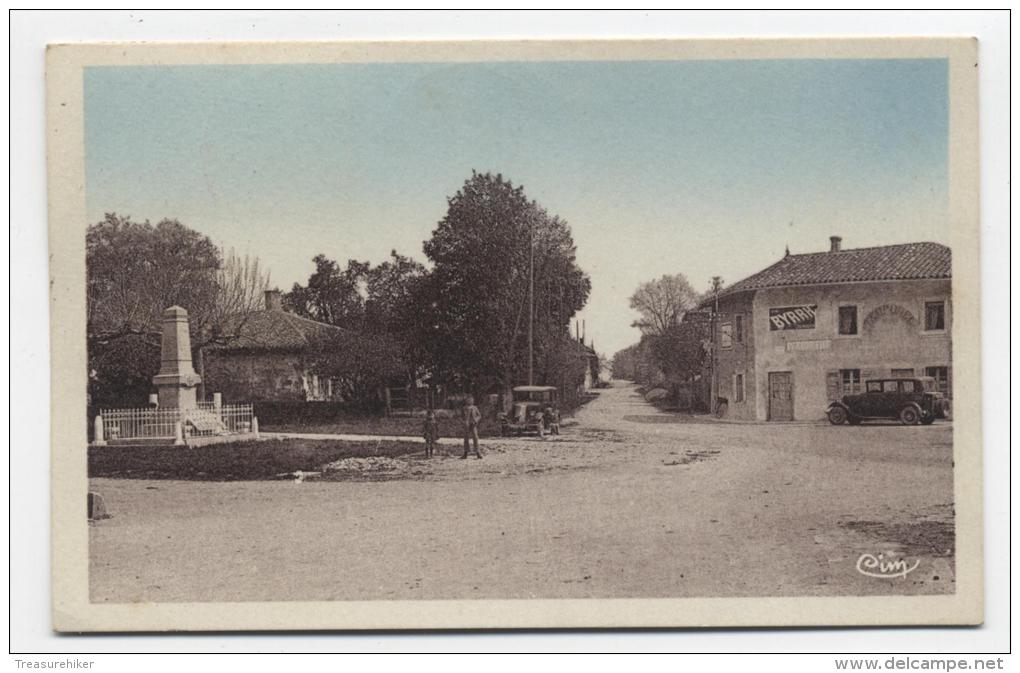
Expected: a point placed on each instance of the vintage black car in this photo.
(528, 404)
(911, 400)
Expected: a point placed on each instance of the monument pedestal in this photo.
(177, 381)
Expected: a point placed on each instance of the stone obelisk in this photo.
(177, 381)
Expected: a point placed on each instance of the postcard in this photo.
(515, 334)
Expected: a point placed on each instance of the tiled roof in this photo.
(279, 331)
(908, 261)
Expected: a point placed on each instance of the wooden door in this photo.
(780, 396)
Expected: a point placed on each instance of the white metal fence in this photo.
(139, 423)
(207, 420)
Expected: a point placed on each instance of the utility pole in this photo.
(531, 301)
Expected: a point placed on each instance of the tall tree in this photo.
(333, 295)
(662, 303)
(135, 270)
(475, 325)
(390, 290)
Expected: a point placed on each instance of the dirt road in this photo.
(630, 502)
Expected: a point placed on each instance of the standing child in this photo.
(555, 424)
(431, 432)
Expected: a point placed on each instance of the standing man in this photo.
(471, 417)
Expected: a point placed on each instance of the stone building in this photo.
(270, 360)
(813, 327)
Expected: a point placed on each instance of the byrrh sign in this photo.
(792, 317)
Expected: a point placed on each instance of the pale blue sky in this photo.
(697, 167)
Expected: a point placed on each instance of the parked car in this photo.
(911, 400)
(526, 415)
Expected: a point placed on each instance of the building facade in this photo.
(270, 360)
(814, 327)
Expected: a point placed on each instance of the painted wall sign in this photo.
(792, 317)
(813, 345)
(894, 310)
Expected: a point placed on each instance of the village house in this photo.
(813, 327)
(270, 359)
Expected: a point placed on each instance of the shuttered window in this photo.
(832, 387)
(848, 320)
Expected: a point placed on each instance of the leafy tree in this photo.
(475, 301)
(681, 352)
(662, 303)
(333, 295)
(635, 363)
(135, 270)
(361, 364)
(390, 294)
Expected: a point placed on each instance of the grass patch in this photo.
(238, 461)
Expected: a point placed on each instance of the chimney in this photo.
(836, 243)
(274, 301)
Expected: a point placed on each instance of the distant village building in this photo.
(271, 358)
(592, 367)
(813, 327)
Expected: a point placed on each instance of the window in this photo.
(903, 373)
(941, 376)
(874, 386)
(738, 329)
(848, 320)
(726, 335)
(934, 316)
(890, 386)
(850, 381)
(738, 387)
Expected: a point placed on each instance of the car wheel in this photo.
(837, 415)
(909, 416)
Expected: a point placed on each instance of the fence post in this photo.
(97, 429)
(255, 425)
(178, 434)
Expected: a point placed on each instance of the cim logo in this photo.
(882, 566)
(792, 317)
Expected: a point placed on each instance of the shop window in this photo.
(850, 381)
(934, 316)
(738, 329)
(726, 335)
(848, 320)
(941, 376)
(738, 387)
